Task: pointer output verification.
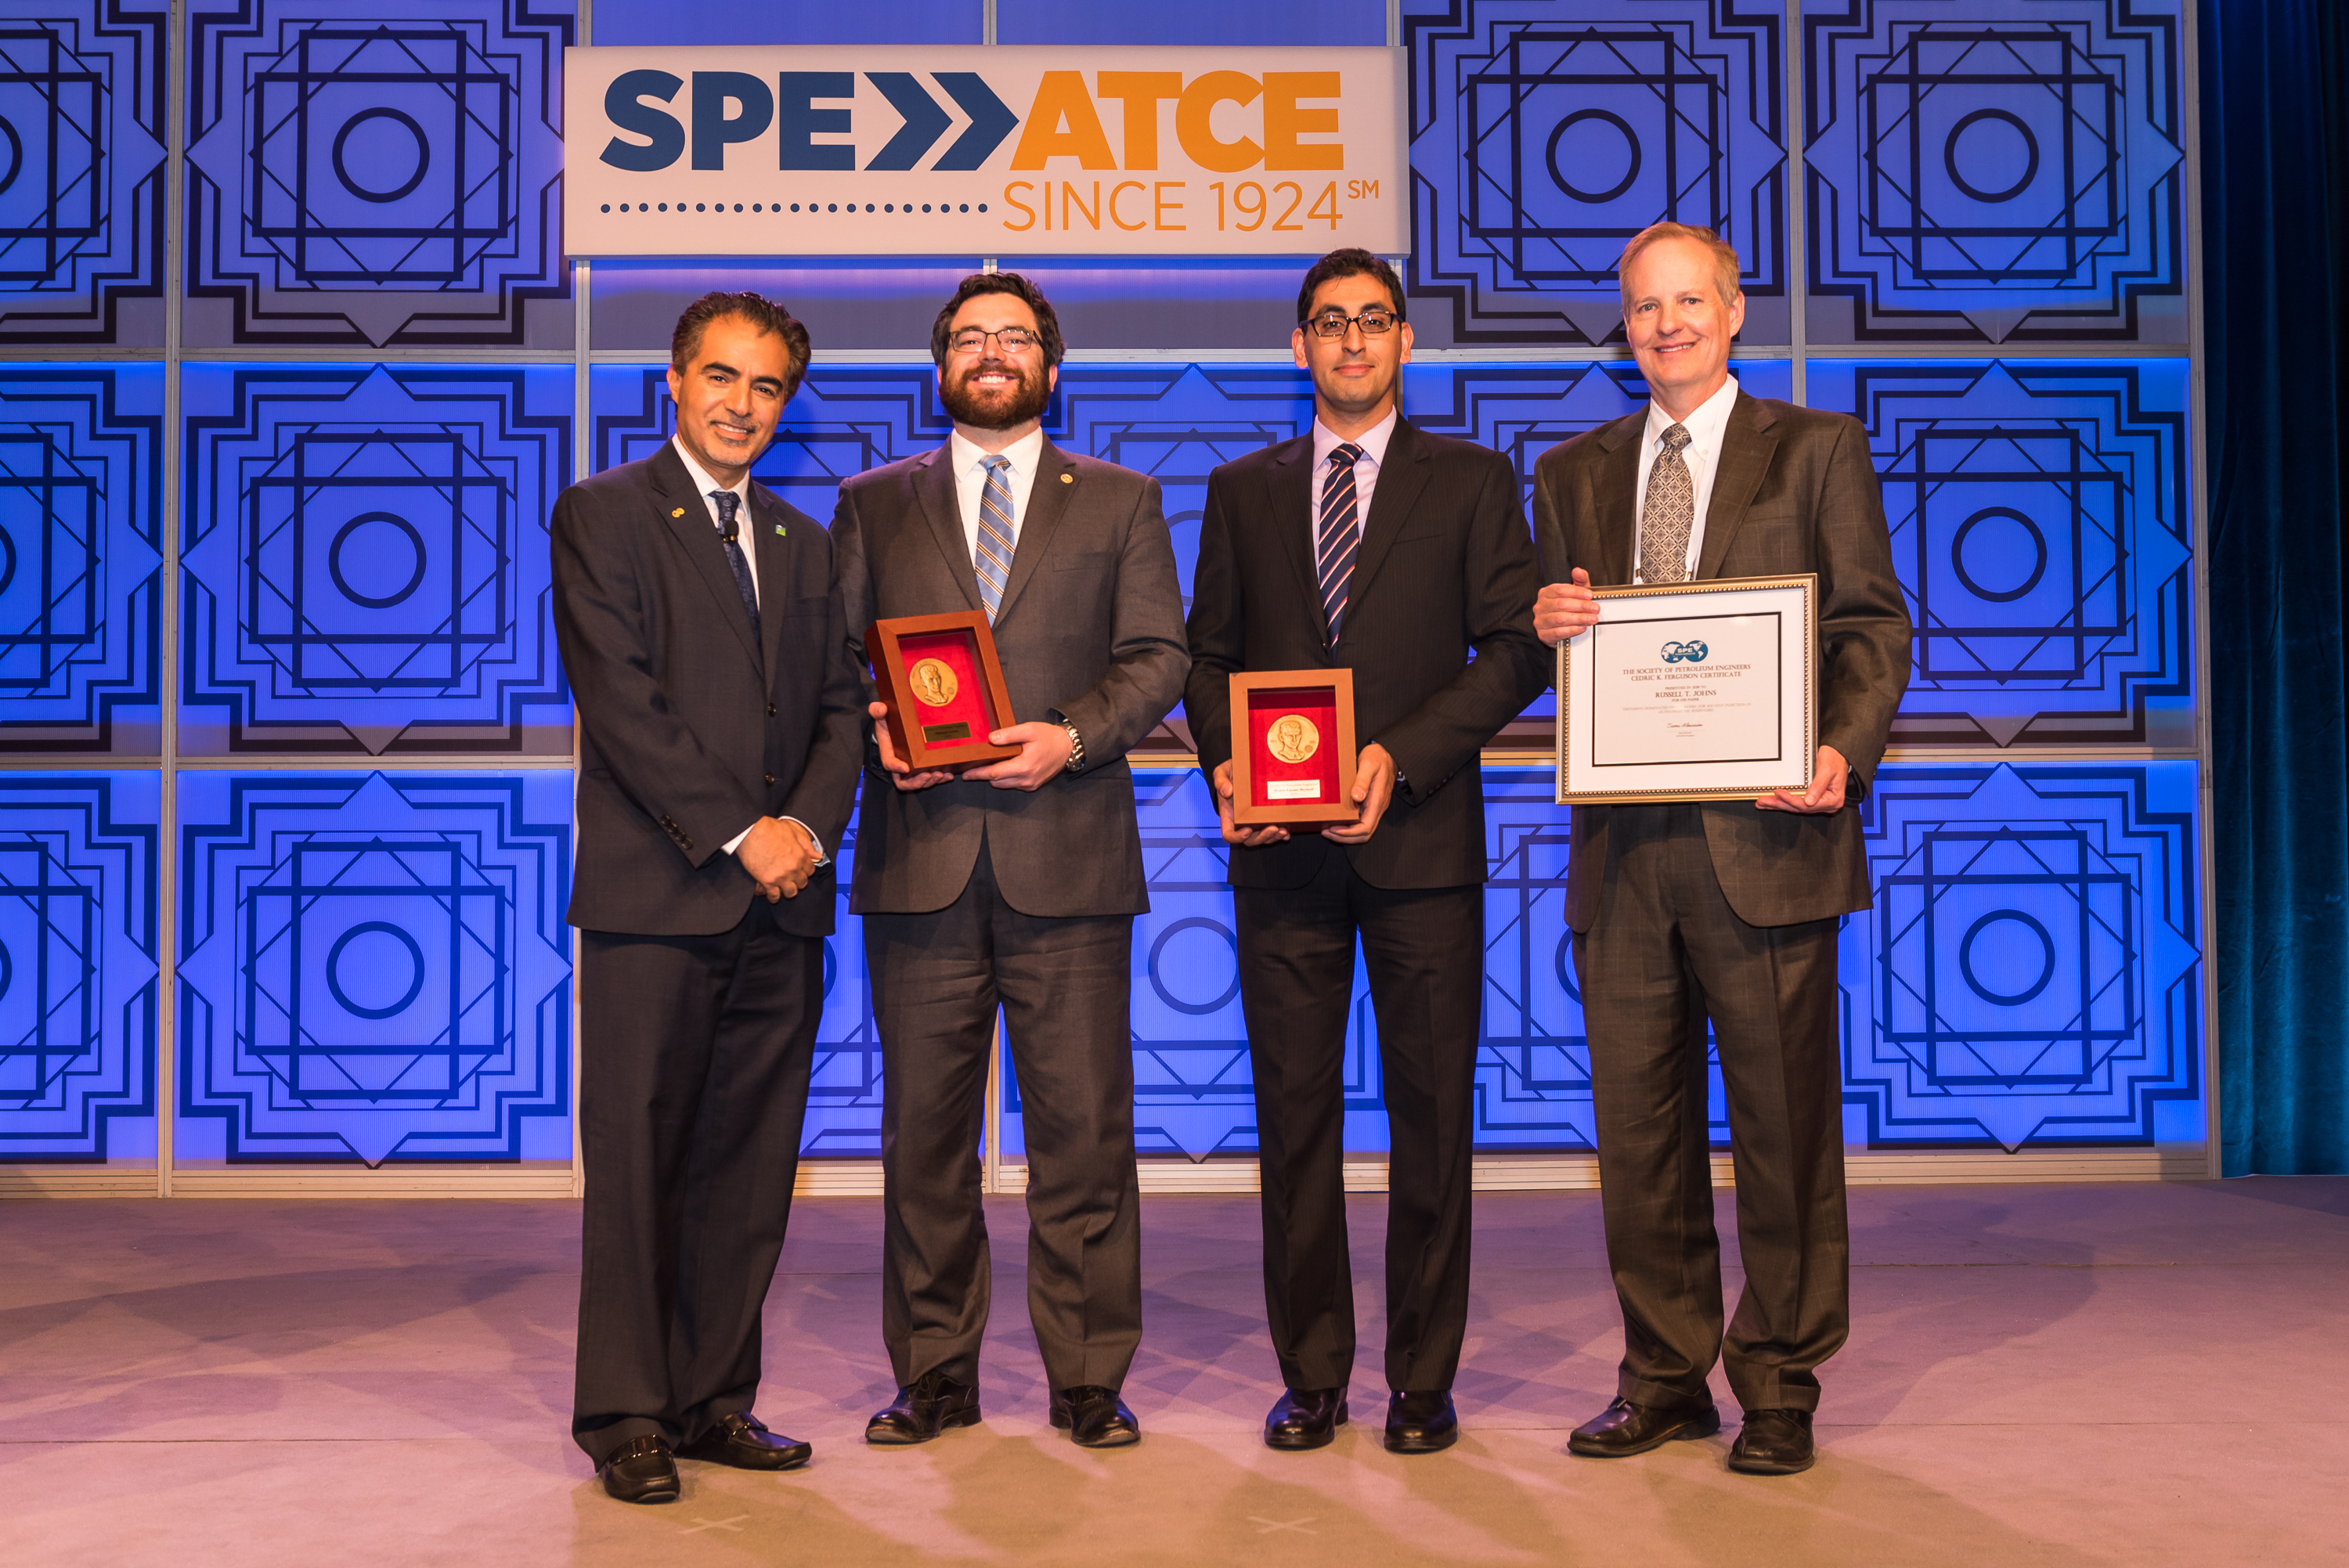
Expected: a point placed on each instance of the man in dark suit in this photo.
(1374, 546)
(719, 749)
(1016, 885)
(1724, 911)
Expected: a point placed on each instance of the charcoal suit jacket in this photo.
(1438, 631)
(689, 731)
(1794, 492)
(1089, 631)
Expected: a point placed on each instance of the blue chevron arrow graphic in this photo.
(925, 120)
(990, 120)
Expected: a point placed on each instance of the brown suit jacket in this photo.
(1794, 492)
(1089, 631)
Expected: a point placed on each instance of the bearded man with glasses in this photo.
(1014, 886)
(1369, 545)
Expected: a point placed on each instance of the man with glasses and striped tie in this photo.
(1374, 546)
(1016, 885)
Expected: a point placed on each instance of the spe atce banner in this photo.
(983, 151)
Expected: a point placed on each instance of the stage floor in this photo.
(2053, 1374)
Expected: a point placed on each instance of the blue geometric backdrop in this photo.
(2041, 527)
(77, 965)
(364, 560)
(81, 173)
(1995, 172)
(82, 554)
(1544, 133)
(391, 175)
(374, 966)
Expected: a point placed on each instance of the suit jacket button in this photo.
(770, 779)
(771, 710)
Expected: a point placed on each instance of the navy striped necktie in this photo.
(728, 501)
(1337, 536)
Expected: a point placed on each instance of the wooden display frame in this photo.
(1247, 770)
(919, 745)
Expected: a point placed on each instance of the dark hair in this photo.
(1048, 325)
(756, 309)
(1350, 262)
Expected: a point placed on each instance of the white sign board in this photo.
(868, 152)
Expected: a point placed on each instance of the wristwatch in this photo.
(1076, 748)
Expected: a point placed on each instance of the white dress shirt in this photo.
(1702, 456)
(971, 482)
(1373, 442)
(703, 484)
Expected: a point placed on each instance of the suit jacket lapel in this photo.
(1402, 475)
(1048, 499)
(1746, 447)
(1616, 500)
(776, 581)
(933, 484)
(688, 517)
(1292, 483)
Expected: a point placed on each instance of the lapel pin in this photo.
(678, 512)
(778, 531)
(1068, 479)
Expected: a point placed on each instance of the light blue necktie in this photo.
(994, 556)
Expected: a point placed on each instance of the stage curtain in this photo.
(2274, 89)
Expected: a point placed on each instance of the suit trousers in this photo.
(1665, 954)
(1424, 949)
(1064, 986)
(693, 1090)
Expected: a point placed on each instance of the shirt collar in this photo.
(1025, 453)
(1705, 425)
(1374, 441)
(702, 483)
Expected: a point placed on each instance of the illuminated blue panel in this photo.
(2000, 172)
(378, 173)
(365, 558)
(1231, 24)
(670, 24)
(1547, 132)
(2030, 971)
(77, 965)
(81, 173)
(2041, 528)
(81, 481)
(374, 966)
(844, 1114)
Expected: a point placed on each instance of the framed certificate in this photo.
(1691, 691)
(1293, 748)
(943, 685)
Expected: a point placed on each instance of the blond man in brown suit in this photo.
(1724, 911)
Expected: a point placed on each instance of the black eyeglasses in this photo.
(1012, 340)
(1332, 323)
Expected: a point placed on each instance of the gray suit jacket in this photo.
(1089, 631)
(1794, 492)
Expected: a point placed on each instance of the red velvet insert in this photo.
(1267, 706)
(958, 651)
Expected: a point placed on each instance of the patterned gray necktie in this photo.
(1670, 515)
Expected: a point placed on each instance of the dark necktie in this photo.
(1337, 537)
(729, 504)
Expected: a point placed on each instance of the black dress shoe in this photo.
(1773, 1442)
(1094, 1417)
(1422, 1423)
(1305, 1418)
(642, 1472)
(922, 1408)
(743, 1441)
(1624, 1428)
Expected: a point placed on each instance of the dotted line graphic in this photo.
(906, 207)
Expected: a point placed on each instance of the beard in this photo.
(999, 408)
